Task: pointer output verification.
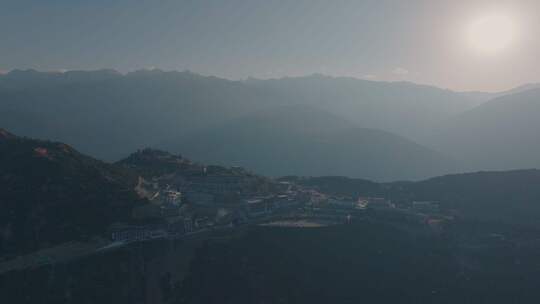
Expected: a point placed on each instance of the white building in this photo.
(173, 197)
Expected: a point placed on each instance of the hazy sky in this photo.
(423, 41)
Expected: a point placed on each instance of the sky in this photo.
(422, 41)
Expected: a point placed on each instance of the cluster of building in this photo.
(362, 203)
(205, 185)
(228, 197)
(184, 204)
(377, 203)
(427, 212)
(262, 206)
(219, 184)
(172, 227)
(380, 203)
(426, 207)
(174, 223)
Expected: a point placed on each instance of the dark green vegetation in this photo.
(151, 162)
(50, 193)
(511, 196)
(343, 264)
(369, 261)
(140, 273)
(156, 163)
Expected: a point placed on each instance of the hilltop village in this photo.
(155, 195)
(186, 198)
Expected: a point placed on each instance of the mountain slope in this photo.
(306, 141)
(512, 196)
(362, 262)
(509, 196)
(501, 134)
(51, 193)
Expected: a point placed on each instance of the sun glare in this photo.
(491, 34)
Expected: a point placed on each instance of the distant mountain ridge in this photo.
(501, 134)
(403, 108)
(481, 97)
(108, 115)
(302, 140)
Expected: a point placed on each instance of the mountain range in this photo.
(312, 125)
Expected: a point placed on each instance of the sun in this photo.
(491, 34)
